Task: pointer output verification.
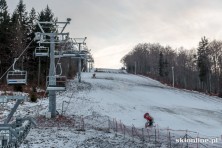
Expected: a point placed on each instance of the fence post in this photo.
(113, 125)
(158, 132)
(143, 139)
(169, 140)
(121, 129)
(116, 127)
(108, 125)
(197, 140)
(155, 137)
(83, 124)
(124, 128)
(186, 139)
(132, 133)
(148, 134)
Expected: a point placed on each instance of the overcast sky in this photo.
(114, 27)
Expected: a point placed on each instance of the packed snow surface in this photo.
(127, 97)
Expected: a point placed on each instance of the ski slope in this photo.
(124, 97)
(127, 97)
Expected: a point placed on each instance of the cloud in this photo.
(113, 27)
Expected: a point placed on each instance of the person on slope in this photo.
(149, 120)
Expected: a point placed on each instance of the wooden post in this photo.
(124, 128)
(143, 139)
(132, 134)
(169, 140)
(155, 137)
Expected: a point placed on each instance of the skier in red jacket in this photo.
(149, 120)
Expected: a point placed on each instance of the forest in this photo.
(17, 31)
(196, 69)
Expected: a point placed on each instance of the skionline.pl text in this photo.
(197, 140)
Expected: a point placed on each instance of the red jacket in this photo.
(148, 117)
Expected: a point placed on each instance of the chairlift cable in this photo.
(17, 58)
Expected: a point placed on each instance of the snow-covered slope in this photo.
(127, 97)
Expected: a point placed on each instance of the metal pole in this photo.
(186, 140)
(132, 134)
(155, 138)
(173, 75)
(79, 65)
(108, 125)
(39, 72)
(143, 135)
(124, 130)
(86, 64)
(210, 81)
(135, 67)
(169, 140)
(62, 107)
(52, 79)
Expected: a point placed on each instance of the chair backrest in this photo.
(16, 77)
(41, 51)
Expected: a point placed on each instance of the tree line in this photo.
(197, 69)
(17, 30)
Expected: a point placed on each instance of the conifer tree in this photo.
(32, 61)
(5, 53)
(19, 29)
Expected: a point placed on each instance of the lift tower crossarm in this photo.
(40, 27)
(66, 23)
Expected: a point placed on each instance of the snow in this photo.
(125, 97)
(69, 137)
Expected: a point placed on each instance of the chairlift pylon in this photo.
(16, 77)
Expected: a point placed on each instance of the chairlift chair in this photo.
(16, 77)
(84, 51)
(69, 53)
(41, 51)
(57, 82)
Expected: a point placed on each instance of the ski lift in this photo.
(84, 51)
(39, 37)
(58, 54)
(69, 53)
(41, 51)
(57, 82)
(16, 77)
